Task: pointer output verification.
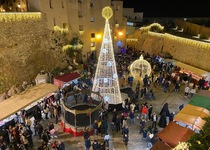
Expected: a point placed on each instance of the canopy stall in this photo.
(200, 101)
(193, 122)
(160, 145)
(195, 111)
(173, 133)
(61, 80)
(197, 73)
(18, 102)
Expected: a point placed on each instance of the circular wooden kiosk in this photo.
(76, 115)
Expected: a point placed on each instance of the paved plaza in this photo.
(136, 142)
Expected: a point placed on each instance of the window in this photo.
(65, 26)
(117, 8)
(50, 3)
(80, 27)
(92, 35)
(92, 19)
(54, 21)
(80, 14)
(91, 4)
(129, 23)
(62, 4)
(135, 17)
(92, 44)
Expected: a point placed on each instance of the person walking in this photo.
(171, 116)
(142, 125)
(162, 122)
(95, 145)
(192, 92)
(144, 111)
(154, 120)
(95, 127)
(61, 145)
(150, 111)
(132, 117)
(125, 130)
(106, 139)
(87, 143)
(186, 91)
(125, 139)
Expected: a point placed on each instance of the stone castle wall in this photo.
(184, 50)
(193, 29)
(27, 46)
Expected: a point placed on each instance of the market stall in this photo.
(173, 133)
(191, 121)
(201, 101)
(20, 101)
(196, 73)
(160, 145)
(61, 80)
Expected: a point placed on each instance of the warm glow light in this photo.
(98, 36)
(59, 29)
(19, 16)
(182, 40)
(150, 26)
(18, 5)
(120, 33)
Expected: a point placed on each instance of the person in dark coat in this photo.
(171, 116)
(181, 106)
(162, 122)
(150, 111)
(165, 109)
(95, 145)
(125, 139)
(86, 133)
(61, 145)
(87, 143)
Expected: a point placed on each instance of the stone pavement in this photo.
(136, 142)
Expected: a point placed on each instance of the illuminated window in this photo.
(130, 23)
(92, 44)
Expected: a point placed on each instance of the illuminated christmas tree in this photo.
(106, 78)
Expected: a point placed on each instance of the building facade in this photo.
(83, 19)
(134, 19)
(14, 6)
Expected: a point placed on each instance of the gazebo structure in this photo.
(76, 114)
(106, 78)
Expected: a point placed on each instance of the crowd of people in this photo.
(19, 134)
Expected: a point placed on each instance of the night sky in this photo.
(179, 8)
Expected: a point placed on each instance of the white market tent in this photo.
(17, 102)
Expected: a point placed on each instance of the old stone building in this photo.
(193, 52)
(27, 46)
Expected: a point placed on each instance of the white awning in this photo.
(17, 102)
